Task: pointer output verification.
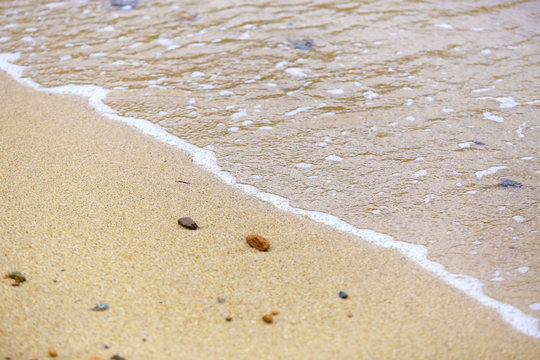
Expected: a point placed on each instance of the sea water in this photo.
(400, 117)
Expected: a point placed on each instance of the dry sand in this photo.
(89, 211)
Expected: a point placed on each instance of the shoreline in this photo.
(74, 180)
(206, 159)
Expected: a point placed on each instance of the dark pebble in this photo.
(17, 276)
(100, 307)
(343, 295)
(188, 223)
(301, 43)
(479, 143)
(507, 183)
(117, 357)
(228, 319)
(105, 346)
(124, 4)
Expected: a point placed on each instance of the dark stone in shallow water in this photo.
(124, 4)
(301, 43)
(507, 183)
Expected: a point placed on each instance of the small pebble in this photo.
(349, 316)
(343, 295)
(220, 300)
(95, 358)
(275, 313)
(479, 143)
(188, 223)
(53, 353)
(508, 183)
(17, 276)
(100, 307)
(117, 357)
(268, 318)
(105, 346)
(258, 242)
(228, 318)
(301, 43)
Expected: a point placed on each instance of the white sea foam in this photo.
(490, 116)
(239, 114)
(335, 91)
(490, 171)
(420, 173)
(296, 72)
(333, 157)
(370, 95)
(520, 129)
(206, 159)
(444, 26)
(297, 110)
(507, 102)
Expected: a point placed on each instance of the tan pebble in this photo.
(258, 242)
(275, 313)
(268, 318)
(53, 353)
(188, 223)
(349, 315)
(95, 358)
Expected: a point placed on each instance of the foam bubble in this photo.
(333, 157)
(420, 173)
(296, 72)
(490, 171)
(507, 102)
(335, 91)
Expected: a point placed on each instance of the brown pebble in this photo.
(275, 313)
(53, 353)
(220, 300)
(117, 357)
(258, 242)
(228, 318)
(188, 223)
(349, 315)
(95, 358)
(268, 318)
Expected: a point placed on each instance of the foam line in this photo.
(471, 286)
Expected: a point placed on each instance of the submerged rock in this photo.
(124, 4)
(301, 43)
(508, 183)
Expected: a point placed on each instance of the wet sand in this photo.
(89, 215)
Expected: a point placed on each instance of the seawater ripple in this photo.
(205, 158)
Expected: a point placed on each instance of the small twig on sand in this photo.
(182, 181)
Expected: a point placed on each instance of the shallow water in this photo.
(376, 123)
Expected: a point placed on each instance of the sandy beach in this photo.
(89, 211)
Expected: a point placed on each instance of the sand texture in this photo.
(89, 211)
